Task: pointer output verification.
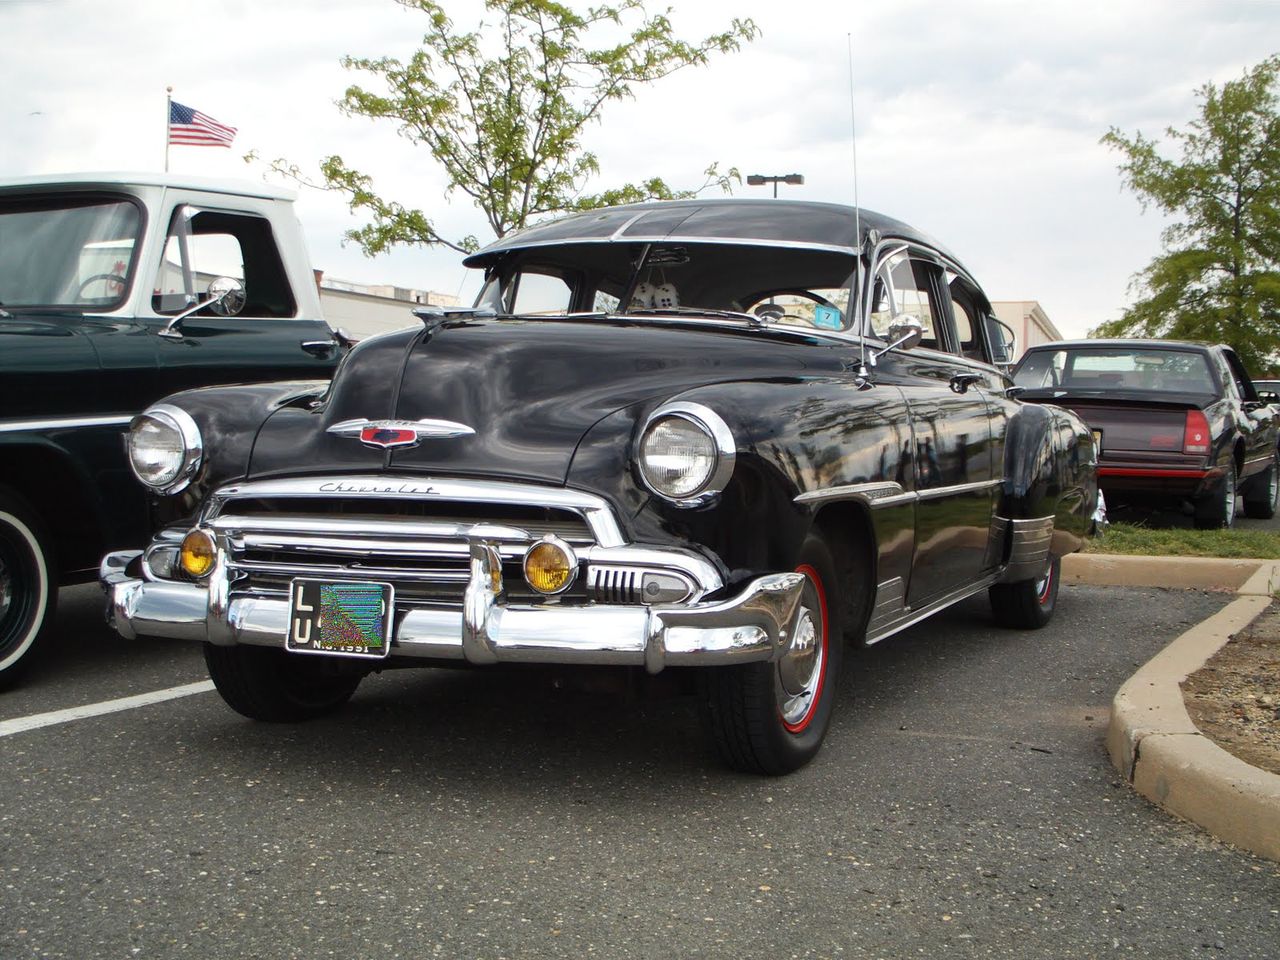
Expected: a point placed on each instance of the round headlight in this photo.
(686, 453)
(164, 448)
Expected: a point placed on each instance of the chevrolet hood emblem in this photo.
(399, 433)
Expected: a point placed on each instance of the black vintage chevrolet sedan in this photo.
(722, 438)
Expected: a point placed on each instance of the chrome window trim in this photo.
(714, 426)
(595, 510)
(62, 423)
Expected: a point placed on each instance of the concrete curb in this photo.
(1151, 739)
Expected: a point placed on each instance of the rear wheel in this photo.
(1027, 604)
(771, 718)
(266, 683)
(1217, 510)
(28, 587)
(1261, 496)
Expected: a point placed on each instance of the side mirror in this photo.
(904, 333)
(226, 298)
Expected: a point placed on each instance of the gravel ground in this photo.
(1235, 698)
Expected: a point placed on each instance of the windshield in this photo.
(67, 252)
(798, 286)
(1113, 369)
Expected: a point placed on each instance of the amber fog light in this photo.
(550, 566)
(197, 553)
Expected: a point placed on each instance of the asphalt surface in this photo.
(963, 806)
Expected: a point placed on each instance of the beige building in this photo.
(1028, 321)
(363, 310)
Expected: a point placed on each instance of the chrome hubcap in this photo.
(800, 669)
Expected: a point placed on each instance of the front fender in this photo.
(229, 419)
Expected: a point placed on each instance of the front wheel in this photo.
(28, 587)
(1027, 604)
(1263, 493)
(771, 718)
(266, 683)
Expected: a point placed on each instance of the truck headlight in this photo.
(686, 453)
(165, 449)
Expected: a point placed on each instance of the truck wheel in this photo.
(28, 587)
(1262, 494)
(771, 718)
(1027, 604)
(265, 683)
(1217, 510)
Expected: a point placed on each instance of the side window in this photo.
(541, 293)
(203, 245)
(965, 314)
(1244, 386)
(901, 289)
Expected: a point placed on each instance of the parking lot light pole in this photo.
(759, 180)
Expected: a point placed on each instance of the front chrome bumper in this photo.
(756, 624)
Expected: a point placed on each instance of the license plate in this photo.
(341, 618)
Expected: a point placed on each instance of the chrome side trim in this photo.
(911, 617)
(891, 597)
(890, 494)
(63, 423)
(595, 510)
(870, 493)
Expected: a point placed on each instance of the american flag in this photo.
(190, 126)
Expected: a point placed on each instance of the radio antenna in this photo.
(855, 288)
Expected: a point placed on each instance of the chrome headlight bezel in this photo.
(188, 432)
(718, 433)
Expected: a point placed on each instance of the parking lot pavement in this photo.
(963, 806)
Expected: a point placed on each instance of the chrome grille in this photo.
(421, 545)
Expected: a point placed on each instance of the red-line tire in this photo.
(28, 587)
(266, 683)
(771, 718)
(1027, 604)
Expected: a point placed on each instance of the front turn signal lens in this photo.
(550, 566)
(197, 554)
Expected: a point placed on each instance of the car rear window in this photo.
(1116, 369)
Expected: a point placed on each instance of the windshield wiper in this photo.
(751, 318)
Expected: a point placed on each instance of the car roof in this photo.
(798, 223)
(119, 179)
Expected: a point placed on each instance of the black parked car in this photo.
(714, 435)
(1176, 422)
(116, 290)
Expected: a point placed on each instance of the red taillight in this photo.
(1196, 437)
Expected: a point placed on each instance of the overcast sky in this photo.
(978, 122)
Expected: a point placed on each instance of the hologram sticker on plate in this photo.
(352, 615)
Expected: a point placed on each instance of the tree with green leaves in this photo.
(503, 108)
(1218, 278)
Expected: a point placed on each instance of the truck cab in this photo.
(115, 290)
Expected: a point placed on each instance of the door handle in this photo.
(324, 349)
(961, 382)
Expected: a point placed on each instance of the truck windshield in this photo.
(75, 252)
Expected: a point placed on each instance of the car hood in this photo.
(528, 390)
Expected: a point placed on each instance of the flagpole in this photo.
(168, 112)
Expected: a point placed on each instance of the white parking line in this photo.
(37, 720)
